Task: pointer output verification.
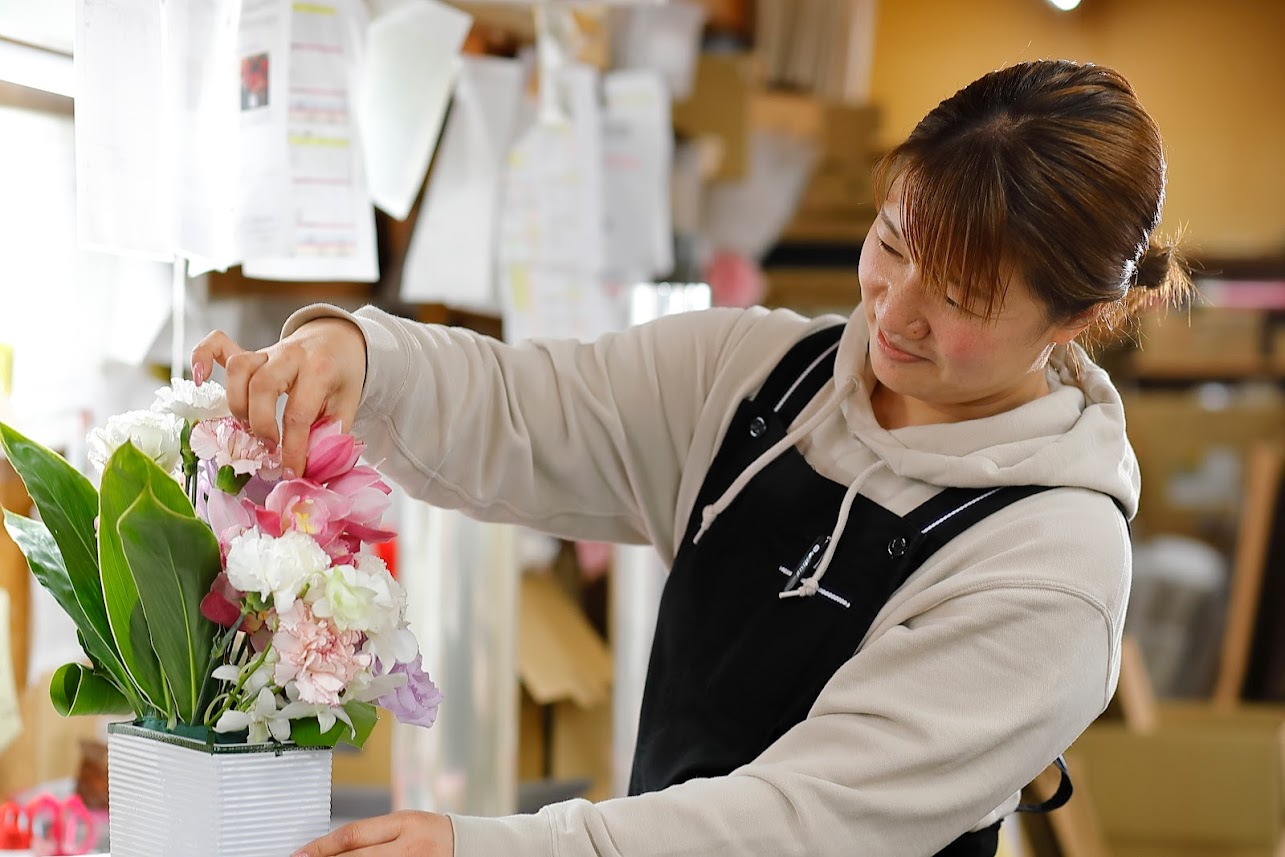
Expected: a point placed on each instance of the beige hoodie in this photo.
(985, 665)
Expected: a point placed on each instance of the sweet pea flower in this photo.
(227, 444)
(192, 403)
(316, 655)
(416, 702)
(222, 604)
(228, 517)
(274, 567)
(157, 435)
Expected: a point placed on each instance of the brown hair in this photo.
(1050, 169)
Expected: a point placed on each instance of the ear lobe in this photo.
(1073, 327)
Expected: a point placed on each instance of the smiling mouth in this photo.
(895, 353)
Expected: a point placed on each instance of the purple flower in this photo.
(416, 701)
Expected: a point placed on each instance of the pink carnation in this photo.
(319, 658)
(227, 444)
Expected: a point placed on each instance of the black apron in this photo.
(706, 709)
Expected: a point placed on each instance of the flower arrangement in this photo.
(213, 597)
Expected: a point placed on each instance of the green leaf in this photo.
(174, 559)
(125, 478)
(364, 716)
(229, 481)
(306, 732)
(76, 690)
(68, 505)
(38, 546)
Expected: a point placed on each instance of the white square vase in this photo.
(172, 795)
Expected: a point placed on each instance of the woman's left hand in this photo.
(402, 834)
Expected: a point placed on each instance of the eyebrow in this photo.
(883, 215)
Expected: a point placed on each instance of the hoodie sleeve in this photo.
(585, 441)
(936, 722)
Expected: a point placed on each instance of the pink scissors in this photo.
(48, 826)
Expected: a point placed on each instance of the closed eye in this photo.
(888, 248)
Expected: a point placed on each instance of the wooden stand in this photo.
(14, 576)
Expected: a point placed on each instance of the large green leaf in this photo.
(125, 478)
(174, 559)
(306, 731)
(38, 546)
(76, 689)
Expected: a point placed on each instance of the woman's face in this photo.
(950, 364)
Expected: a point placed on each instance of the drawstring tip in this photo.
(789, 593)
(708, 514)
(807, 588)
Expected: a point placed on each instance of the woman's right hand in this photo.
(320, 369)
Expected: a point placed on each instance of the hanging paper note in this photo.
(333, 223)
(453, 249)
(414, 57)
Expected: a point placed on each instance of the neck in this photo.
(894, 410)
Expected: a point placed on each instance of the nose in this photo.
(900, 310)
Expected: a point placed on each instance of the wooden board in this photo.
(1262, 484)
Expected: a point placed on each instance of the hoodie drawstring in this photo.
(809, 585)
(711, 512)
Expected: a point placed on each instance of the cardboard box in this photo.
(564, 718)
(1193, 459)
(1205, 782)
(844, 134)
(566, 672)
(719, 106)
(1205, 342)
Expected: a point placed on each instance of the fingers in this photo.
(217, 347)
(358, 835)
(303, 407)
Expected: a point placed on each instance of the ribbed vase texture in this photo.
(170, 796)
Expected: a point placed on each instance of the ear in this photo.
(1068, 330)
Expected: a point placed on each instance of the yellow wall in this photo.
(1212, 73)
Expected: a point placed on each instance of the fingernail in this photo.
(289, 473)
(198, 374)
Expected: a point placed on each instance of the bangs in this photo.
(953, 220)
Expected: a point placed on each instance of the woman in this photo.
(899, 548)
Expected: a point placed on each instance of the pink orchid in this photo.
(227, 444)
(319, 658)
(331, 452)
(303, 505)
(369, 497)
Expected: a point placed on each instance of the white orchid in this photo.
(157, 435)
(186, 400)
(263, 720)
(326, 715)
(275, 567)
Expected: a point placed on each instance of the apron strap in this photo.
(801, 373)
(1059, 798)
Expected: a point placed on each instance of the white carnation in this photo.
(157, 435)
(186, 400)
(275, 567)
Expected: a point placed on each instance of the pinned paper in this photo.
(638, 154)
(453, 249)
(333, 223)
(413, 61)
(664, 38)
(123, 144)
(552, 249)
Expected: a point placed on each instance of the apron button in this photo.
(897, 547)
(758, 425)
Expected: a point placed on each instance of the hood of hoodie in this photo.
(1073, 437)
